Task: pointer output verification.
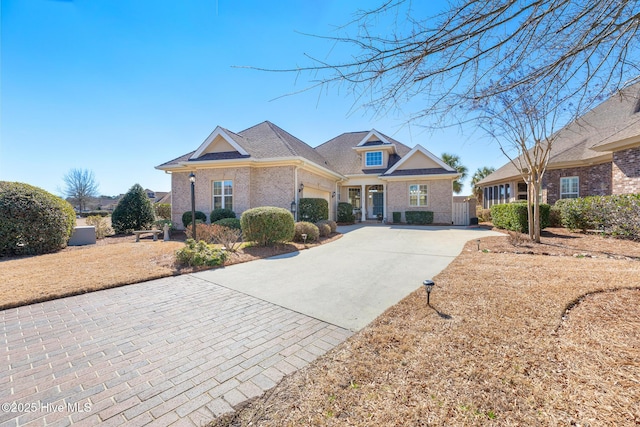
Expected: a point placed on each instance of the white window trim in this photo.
(427, 195)
(564, 195)
(366, 158)
(223, 195)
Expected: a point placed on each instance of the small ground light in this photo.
(428, 286)
(478, 242)
(304, 238)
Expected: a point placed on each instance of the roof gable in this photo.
(419, 158)
(219, 141)
(373, 138)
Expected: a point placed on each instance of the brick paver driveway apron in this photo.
(175, 350)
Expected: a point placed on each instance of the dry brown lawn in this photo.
(113, 261)
(510, 339)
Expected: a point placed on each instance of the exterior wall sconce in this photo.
(428, 286)
(301, 188)
(293, 208)
(333, 194)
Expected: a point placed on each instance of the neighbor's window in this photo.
(223, 195)
(418, 195)
(569, 187)
(373, 158)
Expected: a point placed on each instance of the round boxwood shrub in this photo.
(332, 224)
(218, 214)
(33, 221)
(267, 225)
(311, 230)
(229, 222)
(134, 211)
(186, 217)
(324, 228)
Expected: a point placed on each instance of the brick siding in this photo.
(626, 171)
(439, 199)
(593, 181)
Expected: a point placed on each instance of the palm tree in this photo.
(478, 176)
(454, 161)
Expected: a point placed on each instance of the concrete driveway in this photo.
(351, 281)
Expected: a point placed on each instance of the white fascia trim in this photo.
(218, 131)
(424, 151)
(618, 145)
(273, 161)
(370, 134)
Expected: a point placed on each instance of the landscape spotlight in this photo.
(428, 286)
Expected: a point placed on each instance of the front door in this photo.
(378, 204)
(375, 202)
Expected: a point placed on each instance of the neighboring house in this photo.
(598, 154)
(266, 166)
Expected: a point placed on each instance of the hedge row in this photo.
(215, 216)
(617, 215)
(418, 217)
(513, 216)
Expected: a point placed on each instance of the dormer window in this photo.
(373, 158)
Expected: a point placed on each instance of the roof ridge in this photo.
(278, 130)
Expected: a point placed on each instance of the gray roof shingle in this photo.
(346, 160)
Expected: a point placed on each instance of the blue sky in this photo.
(121, 86)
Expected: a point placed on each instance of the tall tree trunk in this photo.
(529, 206)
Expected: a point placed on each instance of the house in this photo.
(266, 166)
(595, 155)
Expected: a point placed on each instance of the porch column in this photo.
(363, 203)
(384, 203)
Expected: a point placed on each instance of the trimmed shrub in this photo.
(555, 217)
(311, 230)
(163, 210)
(617, 215)
(397, 217)
(100, 223)
(513, 216)
(229, 222)
(33, 221)
(218, 214)
(419, 217)
(93, 213)
(313, 210)
(324, 229)
(332, 224)
(186, 218)
(345, 213)
(200, 254)
(134, 211)
(267, 225)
